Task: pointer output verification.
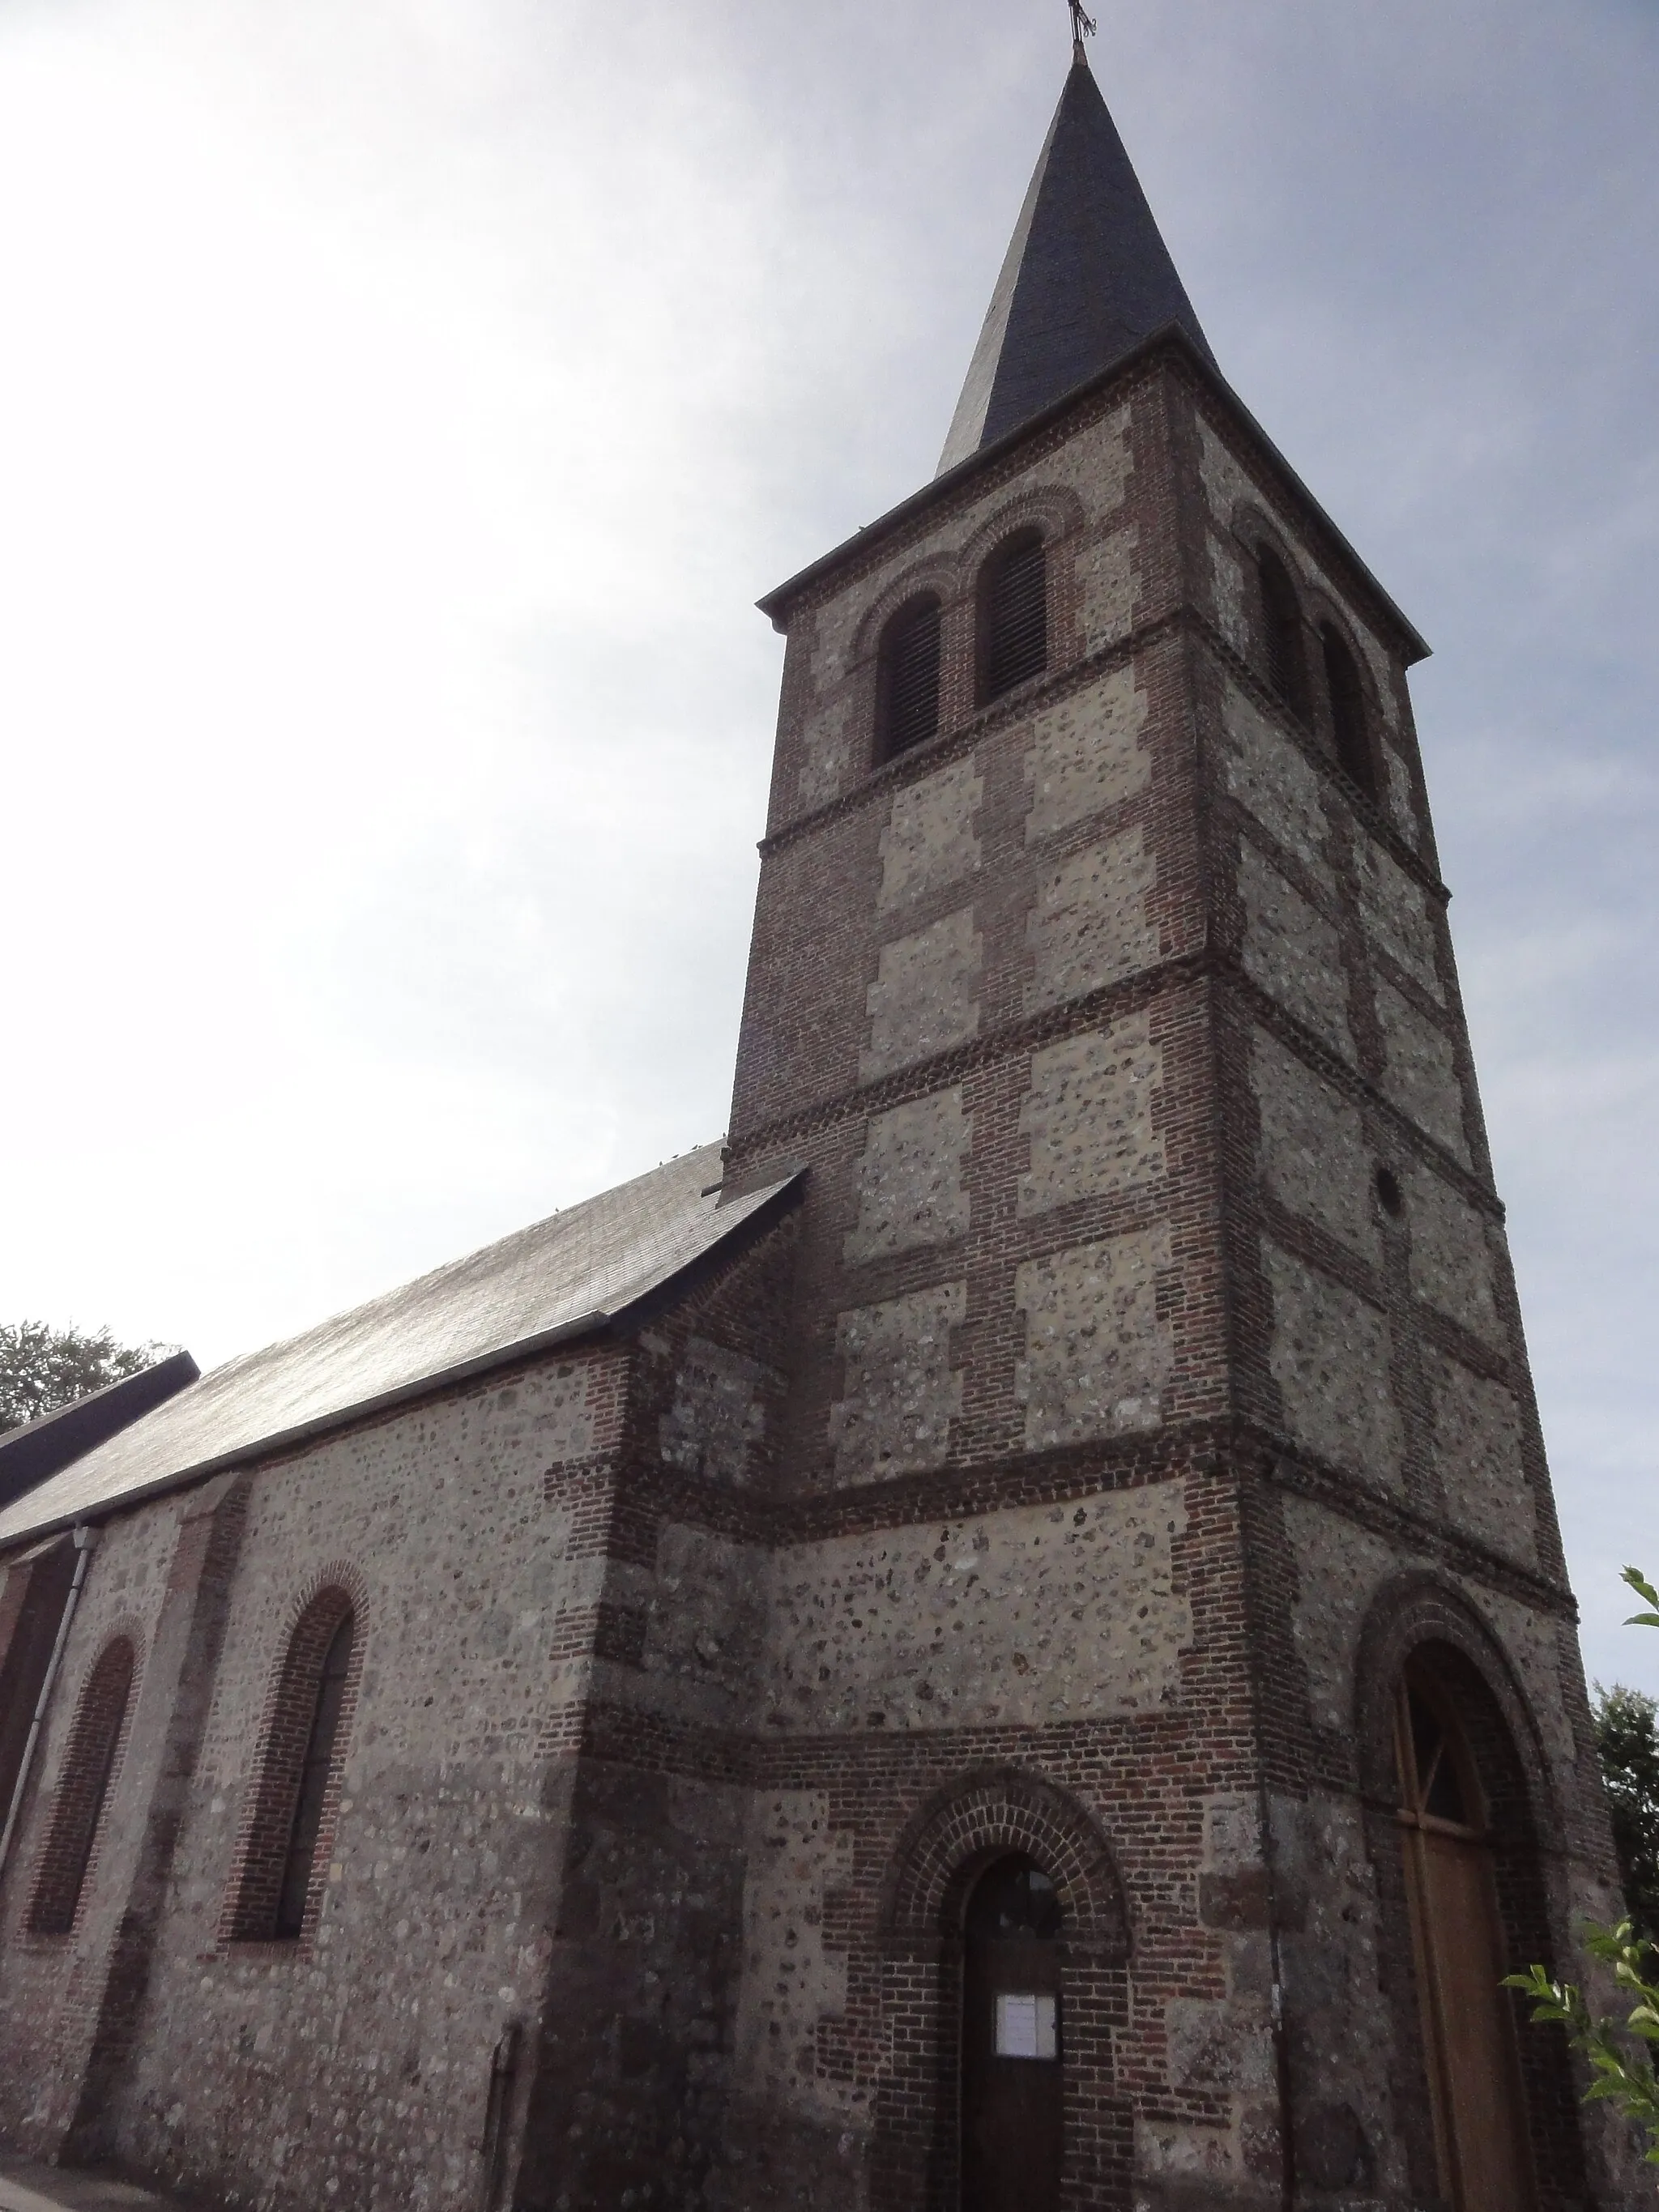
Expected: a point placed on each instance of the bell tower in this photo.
(1169, 1720)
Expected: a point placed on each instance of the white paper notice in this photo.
(1025, 2027)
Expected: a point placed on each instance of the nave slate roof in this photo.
(1087, 279)
(552, 1284)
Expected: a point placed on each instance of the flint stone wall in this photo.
(929, 839)
(48, 1985)
(1330, 1359)
(1293, 951)
(1089, 926)
(1086, 754)
(1098, 1351)
(1033, 1616)
(792, 1978)
(1451, 1263)
(300, 2068)
(902, 1392)
(1089, 1116)
(1269, 777)
(1420, 1075)
(924, 998)
(1314, 1159)
(910, 1187)
(1479, 1457)
(1395, 910)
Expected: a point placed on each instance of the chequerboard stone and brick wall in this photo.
(1091, 1370)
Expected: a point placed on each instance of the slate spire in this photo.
(1086, 279)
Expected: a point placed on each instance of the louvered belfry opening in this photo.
(1281, 620)
(1347, 700)
(908, 678)
(1013, 614)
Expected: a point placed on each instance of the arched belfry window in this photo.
(77, 1811)
(1457, 1940)
(1347, 699)
(1013, 614)
(1012, 2033)
(1281, 630)
(908, 678)
(295, 1790)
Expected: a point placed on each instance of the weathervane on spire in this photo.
(1082, 25)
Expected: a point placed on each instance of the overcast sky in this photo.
(401, 406)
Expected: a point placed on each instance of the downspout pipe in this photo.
(86, 1540)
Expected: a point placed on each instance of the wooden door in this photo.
(1474, 2080)
(1012, 2031)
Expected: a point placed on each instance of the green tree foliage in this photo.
(1628, 1738)
(1620, 2061)
(43, 1368)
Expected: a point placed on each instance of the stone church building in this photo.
(998, 1642)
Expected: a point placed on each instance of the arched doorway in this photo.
(1474, 2083)
(1012, 2030)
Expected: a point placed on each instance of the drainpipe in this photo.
(85, 1539)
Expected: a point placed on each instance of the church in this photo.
(996, 1642)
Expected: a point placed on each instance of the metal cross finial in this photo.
(1082, 25)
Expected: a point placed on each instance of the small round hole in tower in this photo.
(1389, 1196)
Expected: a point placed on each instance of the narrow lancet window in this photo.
(907, 678)
(288, 1816)
(1013, 614)
(1347, 711)
(313, 1784)
(88, 1765)
(1281, 623)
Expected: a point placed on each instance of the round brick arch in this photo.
(954, 1837)
(1419, 1617)
(1410, 1612)
(985, 1816)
